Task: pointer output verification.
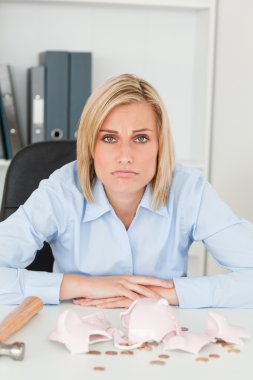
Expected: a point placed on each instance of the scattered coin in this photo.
(111, 352)
(219, 341)
(202, 359)
(227, 345)
(154, 343)
(99, 368)
(184, 329)
(214, 356)
(163, 356)
(157, 362)
(93, 352)
(234, 350)
(145, 346)
(127, 352)
(125, 344)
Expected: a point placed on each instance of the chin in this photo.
(124, 187)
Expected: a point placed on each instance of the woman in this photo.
(121, 219)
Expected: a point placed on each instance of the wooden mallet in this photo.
(14, 322)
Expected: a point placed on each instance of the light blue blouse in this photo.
(89, 239)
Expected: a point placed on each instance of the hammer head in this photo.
(16, 350)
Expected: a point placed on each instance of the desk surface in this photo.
(45, 359)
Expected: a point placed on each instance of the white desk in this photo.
(46, 360)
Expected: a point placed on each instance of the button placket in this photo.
(126, 246)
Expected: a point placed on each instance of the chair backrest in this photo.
(28, 167)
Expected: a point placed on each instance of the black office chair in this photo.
(28, 167)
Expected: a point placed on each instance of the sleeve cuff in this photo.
(193, 292)
(44, 285)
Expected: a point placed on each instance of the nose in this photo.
(124, 155)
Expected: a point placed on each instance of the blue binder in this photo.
(80, 88)
(56, 94)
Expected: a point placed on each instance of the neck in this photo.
(125, 205)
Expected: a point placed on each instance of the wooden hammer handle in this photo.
(20, 316)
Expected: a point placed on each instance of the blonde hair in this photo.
(124, 89)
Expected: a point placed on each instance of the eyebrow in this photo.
(134, 131)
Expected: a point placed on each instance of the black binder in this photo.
(10, 127)
(36, 90)
(80, 88)
(56, 94)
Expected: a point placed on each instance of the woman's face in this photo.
(126, 149)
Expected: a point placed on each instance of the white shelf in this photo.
(4, 163)
(184, 4)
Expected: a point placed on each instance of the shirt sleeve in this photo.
(21, 235)
(230, 242)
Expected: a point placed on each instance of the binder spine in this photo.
(11, 131)
(56, 94)
(36, 104)
(80, 88)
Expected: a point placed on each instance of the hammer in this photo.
(14, 322)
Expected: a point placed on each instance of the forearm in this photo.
(172, 297)
(169, 294)
(72, 286)
(222, 290)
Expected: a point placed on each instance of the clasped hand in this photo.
(121, 291)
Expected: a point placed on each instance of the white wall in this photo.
(232, 150)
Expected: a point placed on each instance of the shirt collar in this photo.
(102, 205)
(146, 202)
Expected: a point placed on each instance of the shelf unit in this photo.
(171, 43)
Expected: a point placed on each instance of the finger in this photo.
(126, 292)
(78, 300)
(109, 299)
(144, 291)
(171, 284)
(147, 280)
(94, 302)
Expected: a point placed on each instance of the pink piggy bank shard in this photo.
(78, 333)
(147, 319)
(219, 327)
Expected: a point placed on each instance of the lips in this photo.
(124, 173)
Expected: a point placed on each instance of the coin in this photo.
(234, 350)
(157, 362)
(219, 341)
(154, 343)
(99, 368)
(145, 346)
(227, 345)
(214, 356)
(93, 352)
(127, 352)
(111, 352)
(202, 359)
(163, 356)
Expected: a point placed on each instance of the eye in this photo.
(142, 139)
(108, 139)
